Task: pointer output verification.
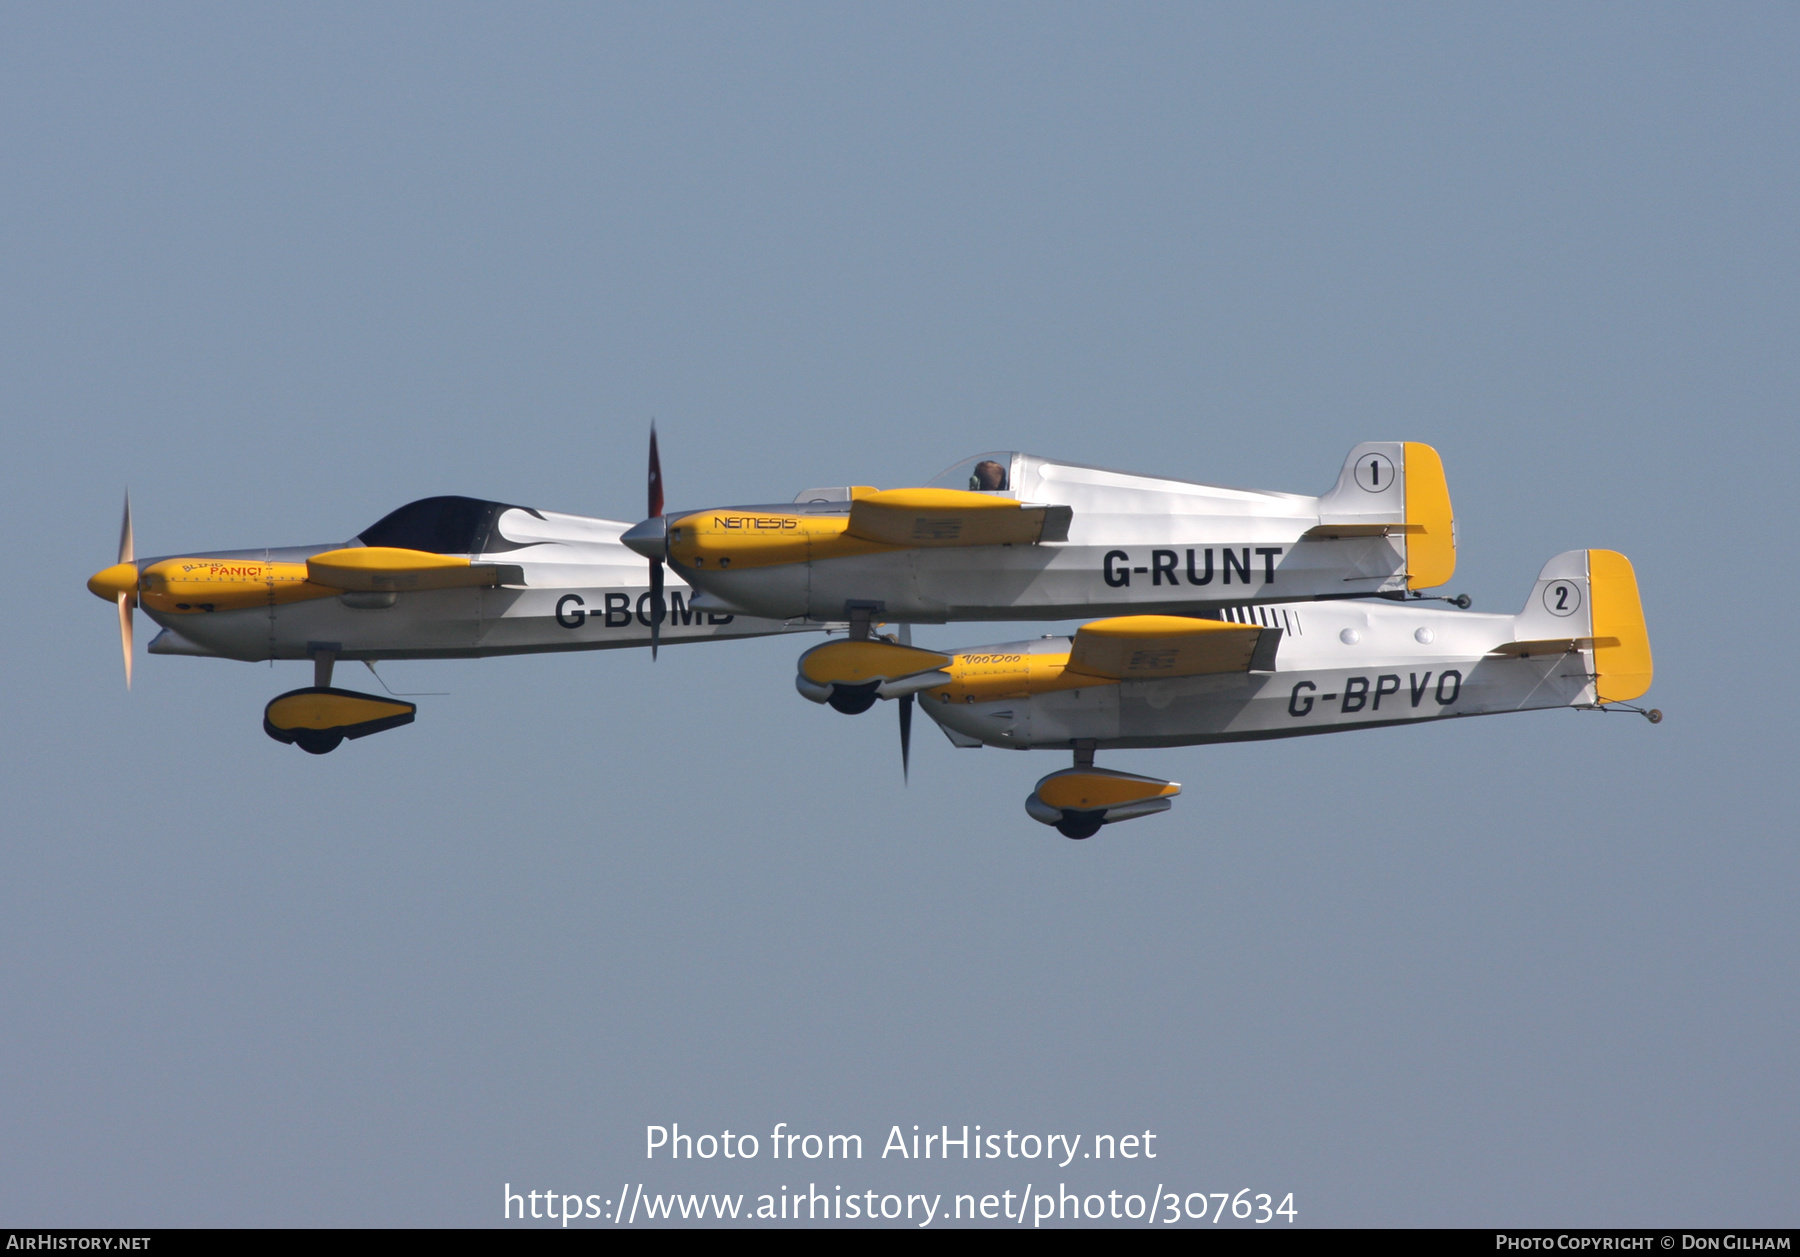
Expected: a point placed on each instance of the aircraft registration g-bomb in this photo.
(440, 578)
(1258, 672)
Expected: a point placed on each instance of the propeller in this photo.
(127, 554)
(650, 538)
(657, 611)
(903, 634)
(119, 584)
(906, 710)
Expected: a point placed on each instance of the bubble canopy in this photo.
(985, 473)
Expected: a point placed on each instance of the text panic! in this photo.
(618, 612)
(221, 571)
(1165, 566)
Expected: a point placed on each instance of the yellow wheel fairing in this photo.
(1430, 522)
(854, 663)
(344, 713)
(1623, 670)
(1090, 789)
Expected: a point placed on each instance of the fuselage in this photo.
(1341, 665)
(570, 585)
(1132, 544)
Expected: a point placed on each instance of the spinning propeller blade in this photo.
(656, 568)
(906, 713)
(127, 554)
(656, 492)
(118, 584)
(903, 635)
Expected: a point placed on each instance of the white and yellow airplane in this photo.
(440, 578)
(1011, 536)
(1254, 672)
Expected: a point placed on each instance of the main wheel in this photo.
(853, 700)
(317, 742)
(1080, 824)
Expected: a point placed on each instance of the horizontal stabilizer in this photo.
(953, 517)
(1551, 646)
(381, 569)
(1332, 532)
(1153, 647)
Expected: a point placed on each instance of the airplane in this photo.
(1255, 671)
(1011, 536)
(440, 578)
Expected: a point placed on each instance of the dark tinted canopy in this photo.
(446, 525)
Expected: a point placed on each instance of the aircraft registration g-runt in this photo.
(1013, 536)
(1255, 672)
(440, 578)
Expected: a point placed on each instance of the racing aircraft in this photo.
(1012, 536)
(440, 578)
(1268, 671)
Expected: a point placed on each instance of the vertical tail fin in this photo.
(1397, 488)
(1589, 598)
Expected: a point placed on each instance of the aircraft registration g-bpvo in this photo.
(1013, 536)
(441, 578)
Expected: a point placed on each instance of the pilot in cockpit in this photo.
(988, 475)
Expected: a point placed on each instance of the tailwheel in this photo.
(318, 719)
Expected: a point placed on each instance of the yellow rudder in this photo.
(1622, 672)
(1430, 523)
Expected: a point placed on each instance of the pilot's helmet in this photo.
(988, 475)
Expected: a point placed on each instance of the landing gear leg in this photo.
(862, 616)
(322, 662)
(1084, 752)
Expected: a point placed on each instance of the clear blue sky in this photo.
(283, 268)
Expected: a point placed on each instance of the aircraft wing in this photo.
(384, 568)
(1152, 647)
(953, 517)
